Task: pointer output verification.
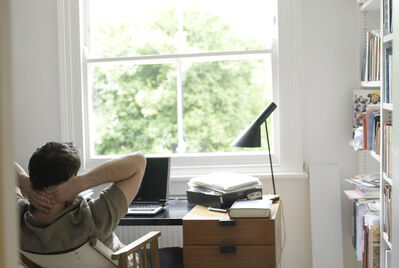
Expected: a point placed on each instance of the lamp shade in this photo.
(251, 136)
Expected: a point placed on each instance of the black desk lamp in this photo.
(251, 138)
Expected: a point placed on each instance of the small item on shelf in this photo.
(357, 142)
(251, 208)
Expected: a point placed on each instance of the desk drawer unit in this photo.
(212, 239)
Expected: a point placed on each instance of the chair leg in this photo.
(154, 254)
(124, 262)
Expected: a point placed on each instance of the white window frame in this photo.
(286, 61)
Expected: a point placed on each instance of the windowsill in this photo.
(279, 176)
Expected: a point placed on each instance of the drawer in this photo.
(241, 256)
(241, 232)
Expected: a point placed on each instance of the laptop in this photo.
(154, 190)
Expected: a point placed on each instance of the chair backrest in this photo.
(92, 254)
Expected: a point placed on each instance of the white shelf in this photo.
(375, 156)
(387, 106)
(387, 38)
(387, 179)
(373, 15)
(389, 244)
(370, 5)
(370, 84)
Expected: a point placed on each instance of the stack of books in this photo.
(372, 57)
(222, 189)
(371, 241)
(367, 186)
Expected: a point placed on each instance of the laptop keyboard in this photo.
(144, 209)
(144, 206)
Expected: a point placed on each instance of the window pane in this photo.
(136, 27)
(132, 27)
(226, 25)
(134, 108)
(221, 98)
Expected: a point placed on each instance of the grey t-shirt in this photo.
(73, 226)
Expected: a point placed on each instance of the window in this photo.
(181, 77)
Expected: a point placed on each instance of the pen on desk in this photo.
(217, 209)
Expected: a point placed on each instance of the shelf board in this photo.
(370, 83)
(385, 235)
(387, 106)
(387, 179)
(369, 5)
(387, 38)
(375, 156)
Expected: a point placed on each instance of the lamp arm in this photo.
(270, 158)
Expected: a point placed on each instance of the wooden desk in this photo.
(212, 239)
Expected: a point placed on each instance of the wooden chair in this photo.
(95, 254)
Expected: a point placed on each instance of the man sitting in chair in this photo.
(56, 218)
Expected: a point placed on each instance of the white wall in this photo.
(329, 61)
(331, 67)
(8, 213)
(36, 90)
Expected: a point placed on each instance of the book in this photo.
(372, 57)
(361, 194)
(368, 193)
(363, 100)
(388, 75)
(373, 118)
(363, 183)
(373, 240)
(364, 131)
(251, 208)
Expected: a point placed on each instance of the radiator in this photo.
(171, 236)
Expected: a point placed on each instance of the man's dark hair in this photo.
(52, 164)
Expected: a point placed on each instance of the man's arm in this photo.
(126, 172)
(37, 199)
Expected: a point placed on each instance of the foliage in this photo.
(135, 106)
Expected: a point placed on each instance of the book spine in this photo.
(364, 131)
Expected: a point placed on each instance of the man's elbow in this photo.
(140, 160)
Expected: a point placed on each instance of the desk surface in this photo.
(173, 214)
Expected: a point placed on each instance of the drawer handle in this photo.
(227, 250)
(227, 223)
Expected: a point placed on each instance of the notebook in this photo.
(154, 190)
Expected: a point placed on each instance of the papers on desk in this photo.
(225, 182)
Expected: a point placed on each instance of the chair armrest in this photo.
(134, 246)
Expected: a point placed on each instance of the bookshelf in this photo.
(394, 256)
(387, 109)
(379, 33)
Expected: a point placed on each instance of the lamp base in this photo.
(273, 197)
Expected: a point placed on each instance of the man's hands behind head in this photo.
(64, 192)
(37, 198)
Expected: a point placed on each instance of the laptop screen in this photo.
(154, 187)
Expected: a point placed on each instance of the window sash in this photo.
(188, 163)
(287, 86)
(205, 56)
